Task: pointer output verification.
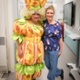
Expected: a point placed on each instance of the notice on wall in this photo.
(21, 6)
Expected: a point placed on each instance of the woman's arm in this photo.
(60, 46)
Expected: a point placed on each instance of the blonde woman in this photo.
(52, 40)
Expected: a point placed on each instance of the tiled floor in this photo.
(2, 78)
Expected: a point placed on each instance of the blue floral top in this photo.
(51, 36)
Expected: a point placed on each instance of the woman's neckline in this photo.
(52, 23)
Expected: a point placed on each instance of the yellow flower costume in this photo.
(28, 37)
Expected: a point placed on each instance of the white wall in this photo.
(78, 14)
(66, 1)
(11, 14)
(3, 55)
(58, 4)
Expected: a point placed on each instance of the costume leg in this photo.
(53, 64)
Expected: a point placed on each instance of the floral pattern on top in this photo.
(51, 36)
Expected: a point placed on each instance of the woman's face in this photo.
(49, 14)
(35, 17)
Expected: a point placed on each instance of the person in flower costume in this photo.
(27, 32)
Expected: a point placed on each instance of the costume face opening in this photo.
(35, 17)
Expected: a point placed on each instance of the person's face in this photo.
(35, 17)
(49, 14)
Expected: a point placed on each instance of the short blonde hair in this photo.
(28, 13)
(50, 7)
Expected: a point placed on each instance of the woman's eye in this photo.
(49, 13)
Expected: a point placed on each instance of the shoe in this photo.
(62, 74)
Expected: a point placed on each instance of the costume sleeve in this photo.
(19, 27)
(19, 30)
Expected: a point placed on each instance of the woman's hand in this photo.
(61, 46)
(20, 51)
(59, 54)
